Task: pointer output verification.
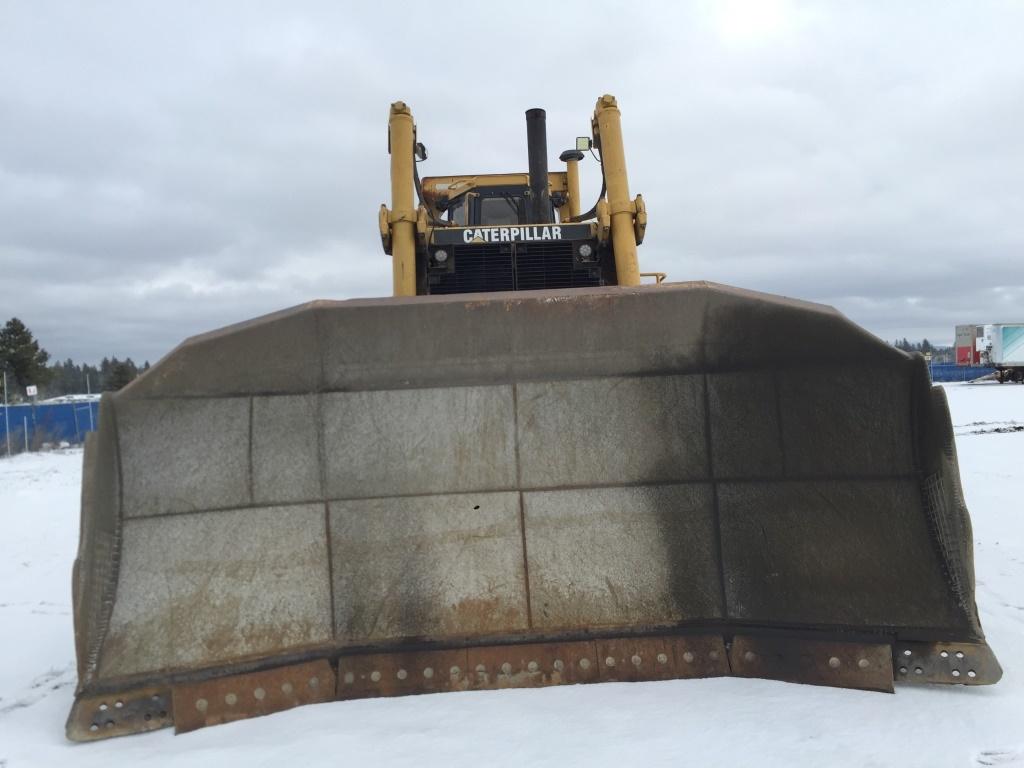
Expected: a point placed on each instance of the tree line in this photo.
(923, 347)
(938, 354)
(69, 378)
(27, 363)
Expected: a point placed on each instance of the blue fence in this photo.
(954, 372)
(33, 425)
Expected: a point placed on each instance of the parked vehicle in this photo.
(998, 345)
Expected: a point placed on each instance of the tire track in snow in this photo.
(42, 686)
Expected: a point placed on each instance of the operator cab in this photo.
(516, 231)
(502, 206)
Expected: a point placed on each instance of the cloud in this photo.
(165, 170)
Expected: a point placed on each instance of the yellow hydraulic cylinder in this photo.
(401, 136)
(613, 157)
(572, 184)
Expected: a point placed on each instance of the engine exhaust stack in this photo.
(539, 209)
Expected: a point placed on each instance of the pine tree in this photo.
(62, 378)
(121, 374)
(21, 355)
(104, 374)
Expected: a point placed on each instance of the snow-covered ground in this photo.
(722, 722)
(71, 399)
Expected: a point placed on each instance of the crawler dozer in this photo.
(524, 469)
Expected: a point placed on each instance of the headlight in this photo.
(586, 250)
(440, 256)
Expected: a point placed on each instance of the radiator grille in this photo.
(513, 267)
(478, 268)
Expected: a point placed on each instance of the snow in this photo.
(721, 722)
(71, 399)
(985, 407)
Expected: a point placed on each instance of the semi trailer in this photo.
(997, 345)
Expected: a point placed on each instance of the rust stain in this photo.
(397, 673)
(951, 663)
(484, 614)
(532, 665)
(867, 666)
(102, 716)
(402, 673)
(238, 697)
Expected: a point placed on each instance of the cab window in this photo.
(458, 212)
(500, 211)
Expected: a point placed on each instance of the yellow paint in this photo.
(401, 136)
(618, 218)
(607, 121)
(572, 176)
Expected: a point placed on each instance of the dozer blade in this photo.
(395, 496)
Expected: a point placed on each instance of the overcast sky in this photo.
(169, 168)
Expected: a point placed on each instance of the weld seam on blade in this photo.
(522, 509)
(714, 499)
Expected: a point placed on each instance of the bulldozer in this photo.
(513, 231)
(525, 468)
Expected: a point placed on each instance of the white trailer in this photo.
(1001, 346)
